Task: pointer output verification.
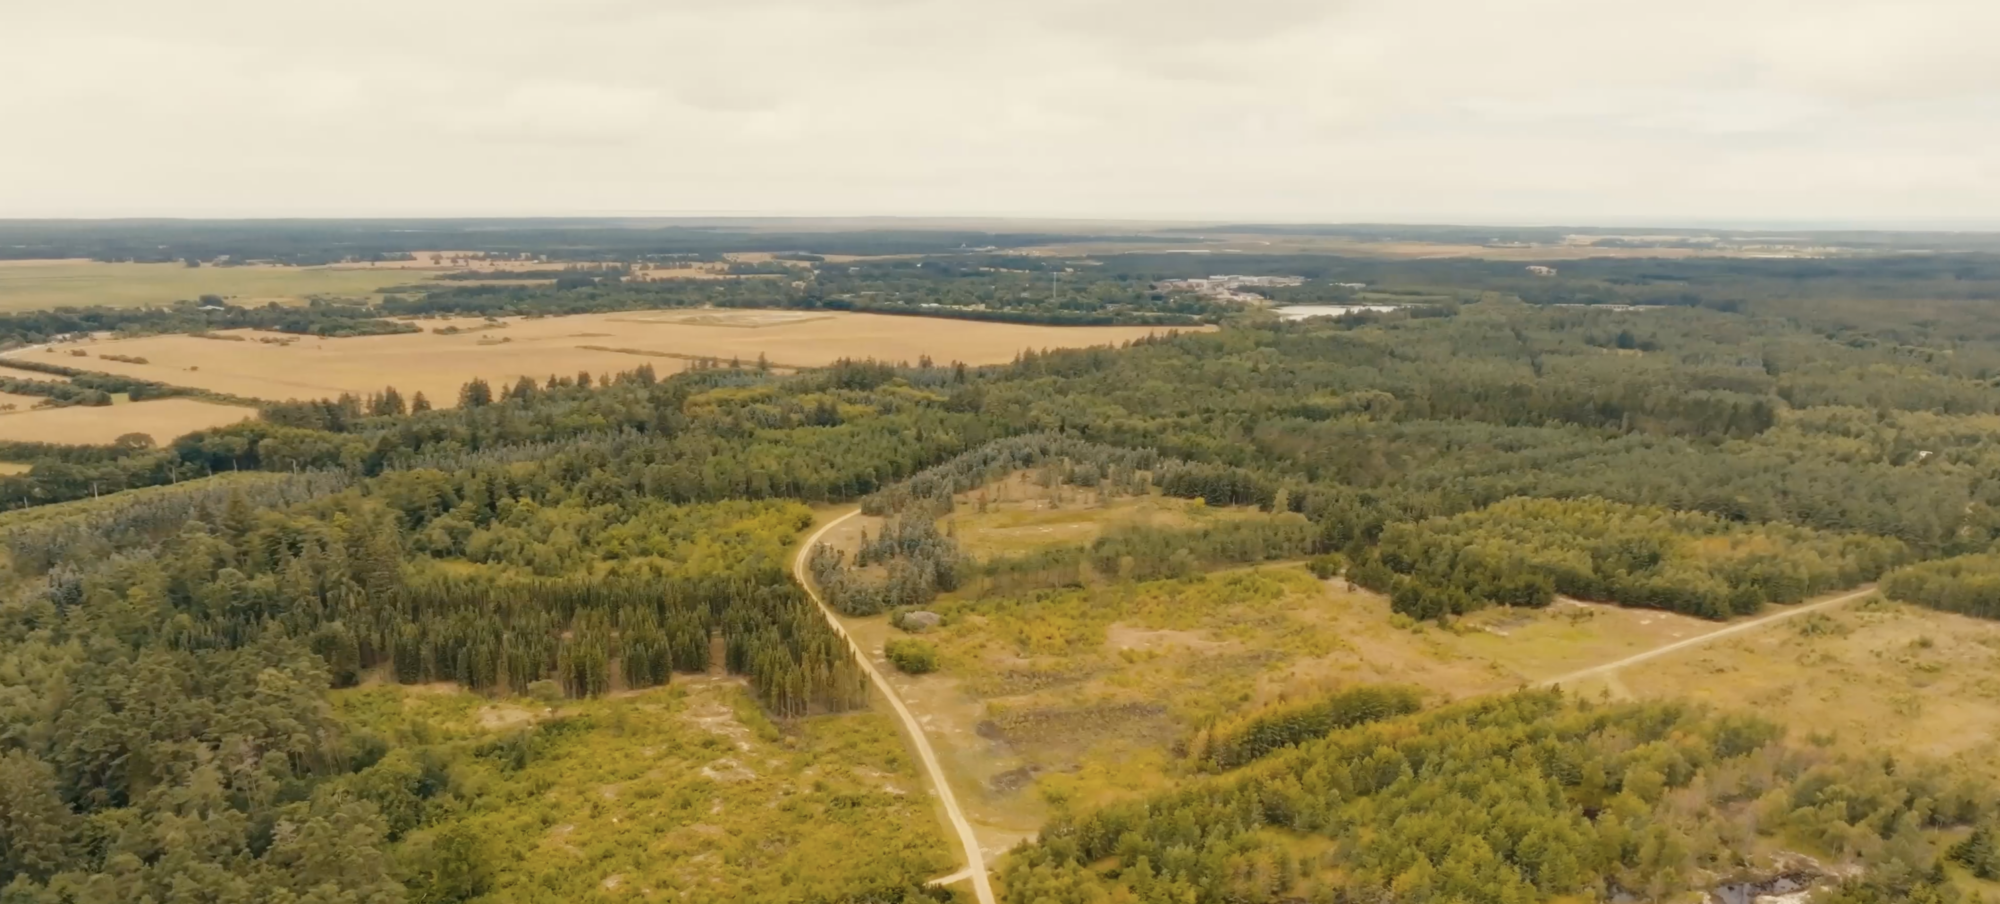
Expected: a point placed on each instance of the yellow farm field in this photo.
(162, 419)
(437, 364)
(10, 402)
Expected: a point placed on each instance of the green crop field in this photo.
(39, 285)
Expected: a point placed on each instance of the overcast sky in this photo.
(1525, 111)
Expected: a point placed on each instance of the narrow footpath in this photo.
(975, 860)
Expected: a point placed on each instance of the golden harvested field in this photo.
(19, 402)
(437, 365)
(39, 285)
(162, 419)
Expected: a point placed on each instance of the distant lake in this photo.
(1302, 311)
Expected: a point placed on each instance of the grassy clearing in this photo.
(1886, 675)
(678, 793)
(1019, 515)
(1080, 696)
(40, 285)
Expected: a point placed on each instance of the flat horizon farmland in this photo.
(36, 285)
(94, 425)
(438, 363)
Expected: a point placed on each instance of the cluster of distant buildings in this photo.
(1228, 288)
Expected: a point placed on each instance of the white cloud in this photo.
(1535, 110)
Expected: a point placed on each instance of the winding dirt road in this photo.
(975, 860)
(975, 868)
(1734, 629)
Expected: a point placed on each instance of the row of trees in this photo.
(1968, 585)
(1521, 552)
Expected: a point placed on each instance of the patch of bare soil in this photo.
(727, 770)
(716, 718)
(504, 715)
(1120, 636)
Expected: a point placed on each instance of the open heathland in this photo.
(685, 792)
(437, 363)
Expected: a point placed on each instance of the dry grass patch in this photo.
(162, 419)
(1907, 679)
(1019, 514)
(681, 792)
(1080, 695)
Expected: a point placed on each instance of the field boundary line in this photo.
(681, 356)
(1730, 631)
(975, 865)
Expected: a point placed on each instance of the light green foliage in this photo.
(1969, 585)
(914, 657)
(1523, 551)
(1514, 799)
(1249, 736)
(1073, 621)
(687, 792)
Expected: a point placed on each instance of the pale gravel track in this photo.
(975, 859)
(1732, 630)
(975, 868)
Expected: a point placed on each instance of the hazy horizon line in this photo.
(1859, 224)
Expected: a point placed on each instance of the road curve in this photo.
(975, 860)
(1737, 628)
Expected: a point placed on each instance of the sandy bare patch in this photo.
(1126, 637)
(716, 718)
(728, 769)
(501, 715)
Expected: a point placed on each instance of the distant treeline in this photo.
(313, 242)
(581, 293)
(319, 318)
